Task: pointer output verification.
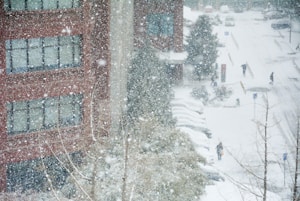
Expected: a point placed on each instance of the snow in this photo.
(175, 57)
(101, 62)
(67, 30)
(240, 128)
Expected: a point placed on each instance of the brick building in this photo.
(160, 22)
(54, 64)
(63, 62)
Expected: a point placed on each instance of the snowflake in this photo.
(101, 62)
(67, 30)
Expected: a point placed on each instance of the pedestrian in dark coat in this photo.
(220, 150)
(272, 78)
(212, 80)
(244, 66)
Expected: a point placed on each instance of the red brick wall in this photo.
(91, 79)
(142, 9)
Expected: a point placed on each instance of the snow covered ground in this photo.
(240, 128)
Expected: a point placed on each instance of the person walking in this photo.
(272, 78)
(220, 150)
(212, 80)
(244, 67)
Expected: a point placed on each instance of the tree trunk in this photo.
(266, 153)
(125, 175)
(295, 197)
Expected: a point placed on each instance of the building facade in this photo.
(63, 70)
(54, 78)
(160, 23)
(132, 24)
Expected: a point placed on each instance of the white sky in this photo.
(265, 50)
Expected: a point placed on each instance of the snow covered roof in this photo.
(173, 57)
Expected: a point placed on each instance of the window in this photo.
(34, 115)
(160, 24)
(31, 174)
(171, 2)
(36, 54)
(18, 5)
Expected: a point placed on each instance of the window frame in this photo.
(159, 22)
(75, 47)
(28, 175)
(76, 104)
(26, 5)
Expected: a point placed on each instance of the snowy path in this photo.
(252, 41)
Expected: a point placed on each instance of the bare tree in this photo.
(259, 179)
(266, 151)
(295, 187)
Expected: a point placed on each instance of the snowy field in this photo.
(240, 128)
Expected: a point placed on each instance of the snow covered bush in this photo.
(151, 162)
(200, 93)
(223, 92)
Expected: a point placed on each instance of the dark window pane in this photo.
(66, 110)
(65, 3)
(30, 175)
(20, 121)
(17, 5)
(35, 58)
(49, 5)
(34, 115)
(66, 55)
(51, 113)
(19, 60)
(34, 5)
(76, 3)
(19, 44)
(50, 42)
(38, 54)
(160, 24)
(77, 55)
(51, 56)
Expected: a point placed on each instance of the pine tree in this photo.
(162, 165)
(148, 88)
(202, 47)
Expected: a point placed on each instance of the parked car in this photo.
(208, 9)
(215, 20)
(229, 21)
(274, 15)
(224, 9)
(220, 44)
(281, 24)
(238, 9)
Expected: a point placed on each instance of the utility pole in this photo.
(266, 153)
(295, 193)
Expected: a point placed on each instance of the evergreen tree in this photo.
(202, 47)
(148, 88)
(162, 165)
